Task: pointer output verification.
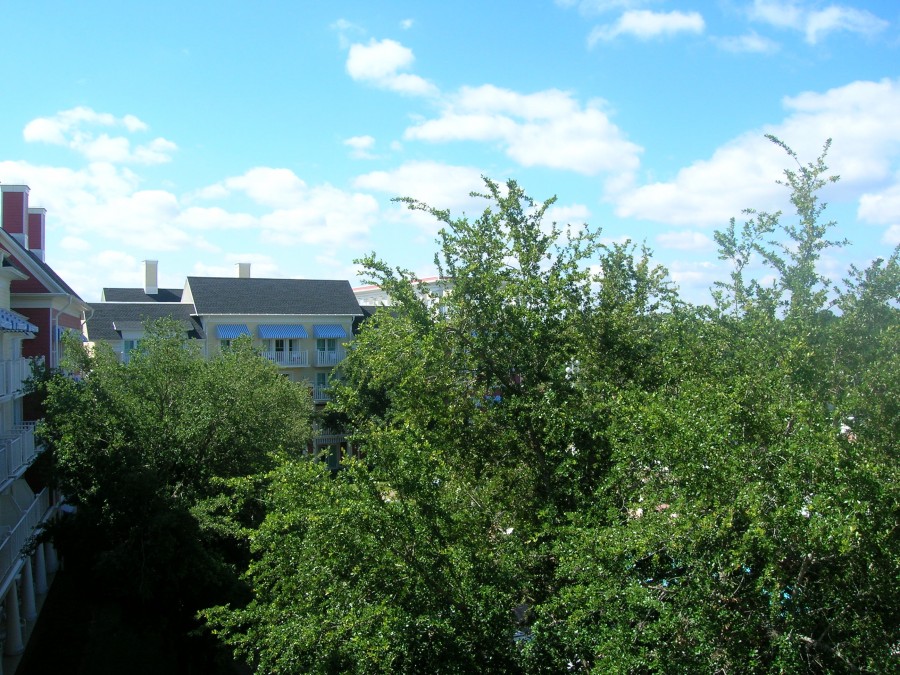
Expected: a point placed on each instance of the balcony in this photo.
(288, 358)
(18, 524)
(17, 450)
(13, 373)
(320, 393)
(328, 357)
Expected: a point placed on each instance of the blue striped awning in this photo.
(286, 331)
(329, 330)
(13, 322)
(231, 331)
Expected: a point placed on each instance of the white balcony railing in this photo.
(289, 358)
(14, 537)
(13, 373)
(327, 357)
(17, 449)
(320, 393)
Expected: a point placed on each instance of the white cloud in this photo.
(326, 217)
(360, 146)
(380, 63)
(749, 43)
(571, 214)
(816, 23)
(347, 31)
(646, 25)
(73, 129)
(214, 219)
(74, 244)
(599, 6)
(300, 214)
(685, 240)
(892, 235)
(266, 186)
(882, 207)
(441, 186)
(548, 128)
(406, 24)
(742, 172)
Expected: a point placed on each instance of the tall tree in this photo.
(161, 458)
(568, 469)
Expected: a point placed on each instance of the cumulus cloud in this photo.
(381, 62)
(548, 128)
(266, 186)
(646, 25)
(816, 23)
(327, 216)
(360, 146)
(881, 207)
(599, 6)
(685, 240)
(76, 129)
(742, 172)
(441, 186)
(299, 213)
(749, 43)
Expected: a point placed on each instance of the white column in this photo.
(13, 623)
(50, 557)
(40, 571)
(29, 609)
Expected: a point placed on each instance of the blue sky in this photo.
(204, 134)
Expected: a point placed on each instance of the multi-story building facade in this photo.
(36, 308)
(301, 325)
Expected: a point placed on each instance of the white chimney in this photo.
(243, 270)
(151, 284)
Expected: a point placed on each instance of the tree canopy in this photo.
(163, 458)
(562, 466)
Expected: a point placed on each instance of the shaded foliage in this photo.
(162, 459)
(569, 469)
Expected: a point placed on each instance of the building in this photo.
(36, 308)
(301, 325)
(373, 295)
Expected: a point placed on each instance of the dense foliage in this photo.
(569, 469)
(161, 458)
(564, 466)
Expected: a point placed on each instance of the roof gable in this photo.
(138, 295)
(109, 319)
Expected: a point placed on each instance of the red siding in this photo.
(40, 345)
(15, 209)
(36, 230)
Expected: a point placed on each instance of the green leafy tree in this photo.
(566, 468)
(748, 523)
(429, 555)
(162, 458)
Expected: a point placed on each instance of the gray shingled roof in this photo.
(108, 316)
(138, 295)
(231, 295)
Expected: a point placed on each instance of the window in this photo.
(321, 380)
(224, 344)
(326, 344)
(279, 345)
